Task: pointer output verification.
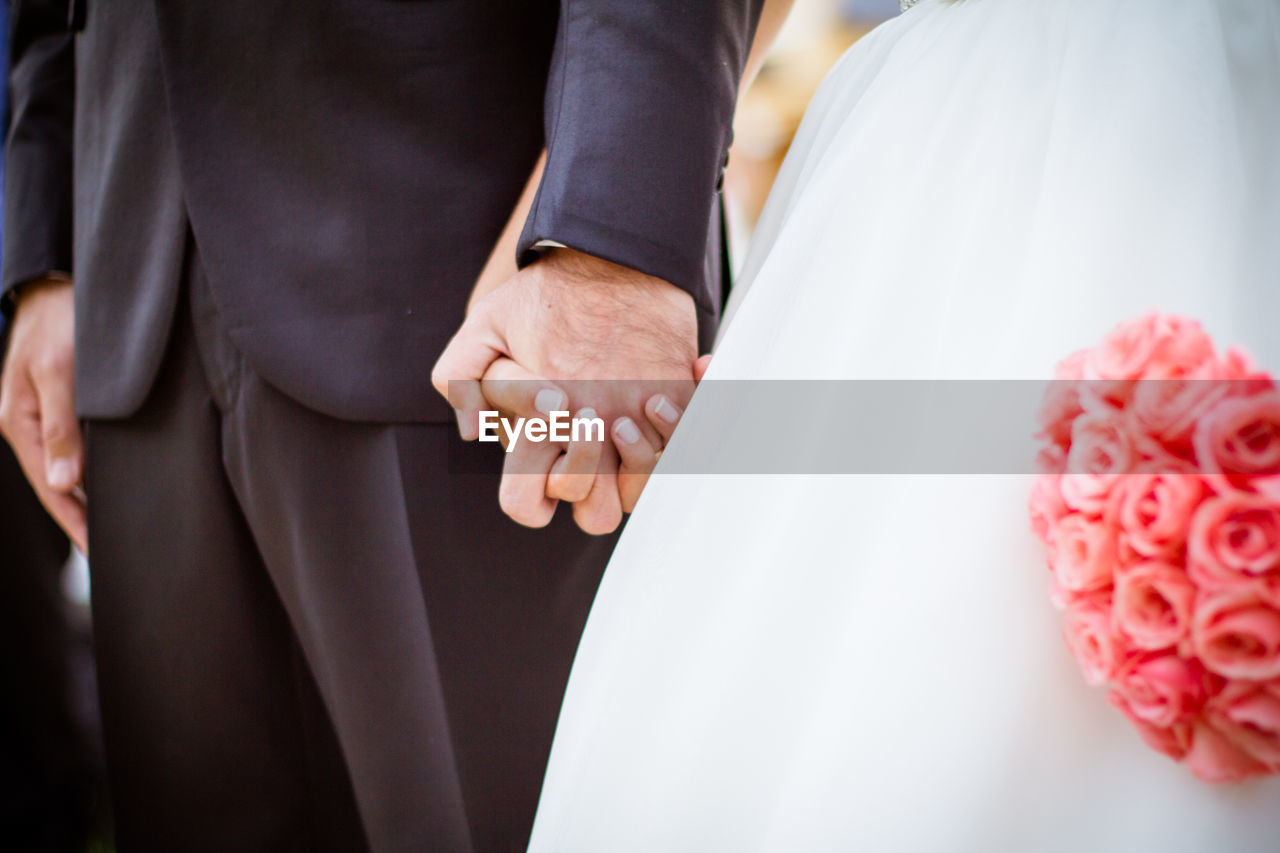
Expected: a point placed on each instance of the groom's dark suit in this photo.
(279, 208)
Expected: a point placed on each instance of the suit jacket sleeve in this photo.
(639, 111)
(38, 193)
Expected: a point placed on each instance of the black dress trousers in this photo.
(311, 635)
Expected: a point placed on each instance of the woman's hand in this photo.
(538, 475)
(639, 456)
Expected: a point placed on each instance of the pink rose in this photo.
(1125, 351)
(1173, 740)
(1236, 367)
(1087, 628)
(1238, 439)
(1234, 541)
(1155, 457)
(1185, 350)
(1151, 345)
(1159, 503)
(1153, 604)
(1058, 596)
(1103, 396)
(1153, 511)
(1087, 493)
(1058, 412)
(1162, 690)
(1045, 505)
(1214, 757)
(1100, 444)
(1169, 408)
(1248, 713)
(1051, 459)
(1072, 368)
(1081, 553)
(1236, 633)
(1235, 363)
(1101, 450)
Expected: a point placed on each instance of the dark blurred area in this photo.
(52, 797)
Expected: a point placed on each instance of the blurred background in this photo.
(816, 34)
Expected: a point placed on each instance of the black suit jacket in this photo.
(345, 166)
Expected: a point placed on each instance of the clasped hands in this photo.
(575, 333)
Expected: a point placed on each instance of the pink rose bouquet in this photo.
(1159, 506)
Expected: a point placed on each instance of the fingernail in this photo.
(666, 411)
(549, 400)
(62, 474)
(626, 431)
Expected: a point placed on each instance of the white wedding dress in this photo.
(857, 663)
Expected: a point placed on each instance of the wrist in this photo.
(603, 289)
(603, 312)
(24, 289)
(574, 267)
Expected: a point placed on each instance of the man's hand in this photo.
(572, 317)
(37, 401)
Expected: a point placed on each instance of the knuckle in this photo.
(569, 487)
(572, 360)
(52, 362)
(559, 487)
(9, 414)
(445, 374)
(517, 501)
(598, 521)
(493, 389)
(440, 381)
(529, 514)
(55, 431)
(508, 500)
